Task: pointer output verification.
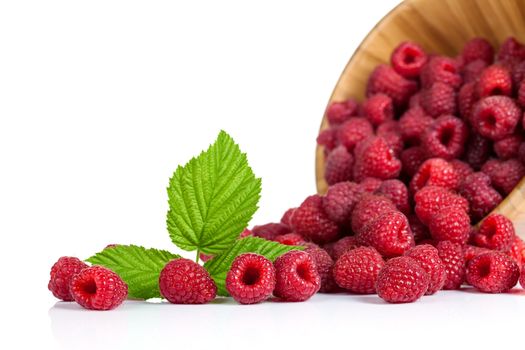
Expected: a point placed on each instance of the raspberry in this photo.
(471, 251)
(517, 250)
(354, 131)
(472, 71)
(413, 123)
(478, 150)
(397, 192)
(434, 172)
(339, 112)
(61, 274)
(412, 158)
(245, 233)
(492, 272)
(391, 133)
(340, 200)
(511, 50)
(504, 175)
(508, 147)
(428, 258)
(324, 265)
(378, 109)
(389, 234)
(205, 257)
(270, 231)
(343, 245)
(402, 280)
(494, 80)
(328, 139)
(518, 73)
(495, 117)
(445, 137)
(98, 288)
(415, 100)
(370, 184)
(495, 232)
(432, 199)
(287, 217)
(450, 224)
(183, 281)
(297, 278)
(482, 197)
(438, 99)
(251, 278)
(408, 58)
(462, 169)
(419, 230)
(478, 49)
(311, 221)
(440, 69)
(374, 158)
(339, 165)
(357, 270)
(369, 208)
(290, 239)
(386, 80)
(451, 254)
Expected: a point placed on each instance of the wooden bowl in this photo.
(441, 27)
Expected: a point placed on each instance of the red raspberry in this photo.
(478, 49)
(508, 147)
(432, 199)
(340, 200)
(378, 109)
(402, 280)
(428, 258)
(445, 137)
(451, 254)
(413, 123)
(478, 150)
(397, 192)
(338, 112)
(251, 278)
(504, 175)
(270, 231)
(311, 221)
(450, 224)
(370, 184)
(369, 208)
(471, 251)
(374, 158)
(415, 100)
(328, 139)
(492, 272)
(343, 245)
(391, 133)
(412, 158)
(290, 239)
(472, 71)
(408, 58)
(438, 99)
(354, 131)
(390, 234)
(61, 274)
(495, 232)
(517, 250)
(482, 197)
(419, 230)
(435, 172)
(495, 117)
(462, 169)
(494, 80)
(511, 50)
(518, 73)
(98, 288)
(287, 217)
(339, 165)
(357, 270)
(183, 281)
(440, 69)
(296, 276)
(324, 265)
(386, 80)
(205, 257)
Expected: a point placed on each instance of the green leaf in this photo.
(219, 266)
(137, 266)
(212, 198)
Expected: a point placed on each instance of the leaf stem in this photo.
(198, 255)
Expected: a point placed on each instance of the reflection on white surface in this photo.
(324, 321)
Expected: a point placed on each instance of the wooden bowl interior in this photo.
(440, 27)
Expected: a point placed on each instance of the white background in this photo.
(99, 102)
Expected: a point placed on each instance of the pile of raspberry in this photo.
(412, 172)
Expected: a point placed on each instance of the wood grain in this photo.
(442, 27)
